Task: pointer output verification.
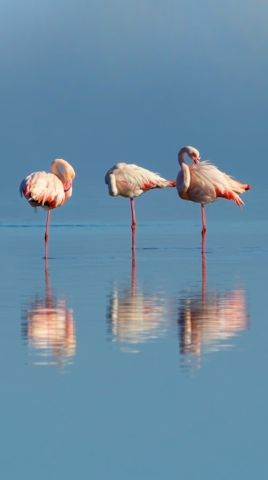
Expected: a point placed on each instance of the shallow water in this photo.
(144, 367)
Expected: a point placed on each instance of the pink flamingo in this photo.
(132, 181)
(49, 190)
(203, 183)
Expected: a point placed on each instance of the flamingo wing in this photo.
(209, 183)
(43, 189)
(130, 180)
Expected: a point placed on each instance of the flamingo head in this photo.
(192, 152)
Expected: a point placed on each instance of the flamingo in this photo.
(130, 181)
(203, 183)
(49, 190)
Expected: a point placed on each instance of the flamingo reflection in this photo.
(134, 317)
(208, 320)
(49, 329)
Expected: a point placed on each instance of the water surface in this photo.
(144, 367)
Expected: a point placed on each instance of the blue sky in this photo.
(102, 81)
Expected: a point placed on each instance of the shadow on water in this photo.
(133, 316)
(48, 327)
(208, 320)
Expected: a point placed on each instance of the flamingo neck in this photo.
(64, 171)
(181, 155)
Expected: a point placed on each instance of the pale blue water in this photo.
(108, 371)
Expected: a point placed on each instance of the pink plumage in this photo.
(203, 183)
(49, 190)
(43, 189)
(130, 181)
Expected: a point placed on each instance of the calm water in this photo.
(134, 368)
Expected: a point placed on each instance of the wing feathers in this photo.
(130, 180)
(209, 182)
(43, 189)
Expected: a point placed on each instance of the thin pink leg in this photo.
(133, 223)
(204, 228)
(133, 240)
(46, 234)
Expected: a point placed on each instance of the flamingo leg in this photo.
(133, 223)
(46, 234)
(204, 228)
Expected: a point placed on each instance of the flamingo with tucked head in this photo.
(203, 183)
(49, 190)
(130, 181)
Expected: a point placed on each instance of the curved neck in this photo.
(181, 155)
(62, 170)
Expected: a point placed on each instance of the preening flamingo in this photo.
(203, 183)
(128, 180)
(49, 190)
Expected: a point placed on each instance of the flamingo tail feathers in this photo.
(238, 187)
(230, 195)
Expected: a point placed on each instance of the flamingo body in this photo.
(49, 190)
(204, 183)
(131, 181)
(42, 189)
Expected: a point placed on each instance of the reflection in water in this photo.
(48, 327)
(133, 316)
(207, 320)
